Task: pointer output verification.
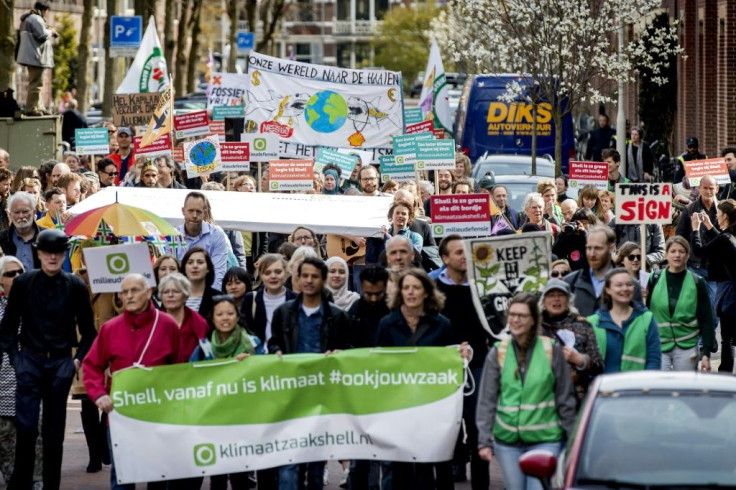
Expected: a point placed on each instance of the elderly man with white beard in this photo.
(18, 239)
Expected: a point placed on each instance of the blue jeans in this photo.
(508, 459)
(291, 478)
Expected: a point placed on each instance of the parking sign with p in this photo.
(107, 266)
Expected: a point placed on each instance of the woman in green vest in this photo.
(681, 306)
(626, 331)
(526, 398)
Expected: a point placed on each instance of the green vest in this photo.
(634, 357)
(526, 411)
(681, 327)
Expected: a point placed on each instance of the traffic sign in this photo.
(246, 40)
(126, 32)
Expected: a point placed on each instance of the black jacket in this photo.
(685, 228)
(258, 247)
(364, 319)
(8, 245)
(433, 330)
(206, 306)
(256, 323)
(600, 139)
(334, 330)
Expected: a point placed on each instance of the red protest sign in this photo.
(191, 124)
(643, 204)
(465, 214)
(159, 147)
(235, 156)
(715, 167)
(178, 154)
(420, 127)
(218, 128)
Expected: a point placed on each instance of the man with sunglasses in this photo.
(125, 156)
(107, 171)
(46, 310)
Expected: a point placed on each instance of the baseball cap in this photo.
(556, 284)
(125, 130)
(692, 142)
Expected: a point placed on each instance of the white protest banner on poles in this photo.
(107, 266)
(311, 105)
(499, 267)
(373, 404)
(584, 173)
(226, 89)
(644, 204)
(715, 167)
(258, 211)
(203, 156)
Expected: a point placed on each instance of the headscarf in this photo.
(337, 182)
(343, 297)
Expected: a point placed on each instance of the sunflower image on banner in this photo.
(503, 266)
(311, 106)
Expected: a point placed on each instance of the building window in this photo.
(303, 53)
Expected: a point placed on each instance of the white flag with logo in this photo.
(434, 100)
(148, 73)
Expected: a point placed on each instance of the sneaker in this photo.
(326, 477)
(344, 479)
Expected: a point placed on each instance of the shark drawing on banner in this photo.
(362, 113)
(280, 108)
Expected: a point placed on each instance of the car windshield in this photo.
(545, 169)
(517, 192)
(660, 439)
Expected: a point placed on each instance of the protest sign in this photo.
(345, 248)
(643, 204)
(191, 124)
(133, 109)
(258, 211)
(177, 153)
(235, 157)
(107, 266)
(218, 128)
(413, 115)
(465, 215)
(371, 404)
(439, 134)
(715, 167)
(405, 147)
(291, 175)
(226, 89)
(420, 127)
(220, 112)
(160, 147)
(203, 156)
(92, 141)
(390, 170)
(263, 147)
(345, 162)
(310, 105)
(501, 267)
(435, 154)
(583, 173)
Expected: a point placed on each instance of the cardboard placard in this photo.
(92, 141)
(644, 204)
(583, 173)
(420, 127)
(133, 109)
(432, 154)
(291, 175)
(413, 115)
(405, 147)
(391, 171)
(263, 147)
(191, 124)
(220, 112)
(465, 215)
(346, 162)
(715, 167)
(203, 156)
(235, 157)
(160, 147)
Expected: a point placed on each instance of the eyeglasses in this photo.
(558, 273)
(521, 316)
(369, 179)
(634, 257)
(14, 273)
(109, 173)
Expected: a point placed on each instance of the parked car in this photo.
(512, 165)
(518, 187)
(649, 429)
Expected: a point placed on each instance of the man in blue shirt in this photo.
(308, 323)
(198, 233)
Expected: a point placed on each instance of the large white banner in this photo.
(251, 211)
(313, 105)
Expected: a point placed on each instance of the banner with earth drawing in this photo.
(503, 266)
(311, 106)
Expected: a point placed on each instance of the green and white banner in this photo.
(220, 417)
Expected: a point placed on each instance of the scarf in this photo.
(337, 183)
(342, 297)
(238, 343)
(635, 169)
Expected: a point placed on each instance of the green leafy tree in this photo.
(66, 52)
(403, 39)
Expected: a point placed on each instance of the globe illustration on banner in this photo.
(202, 154)
(326, 111)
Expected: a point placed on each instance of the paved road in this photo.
(74, 475)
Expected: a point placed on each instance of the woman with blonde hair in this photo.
(608, 200)
(548, 190)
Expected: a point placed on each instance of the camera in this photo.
(570, 228)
